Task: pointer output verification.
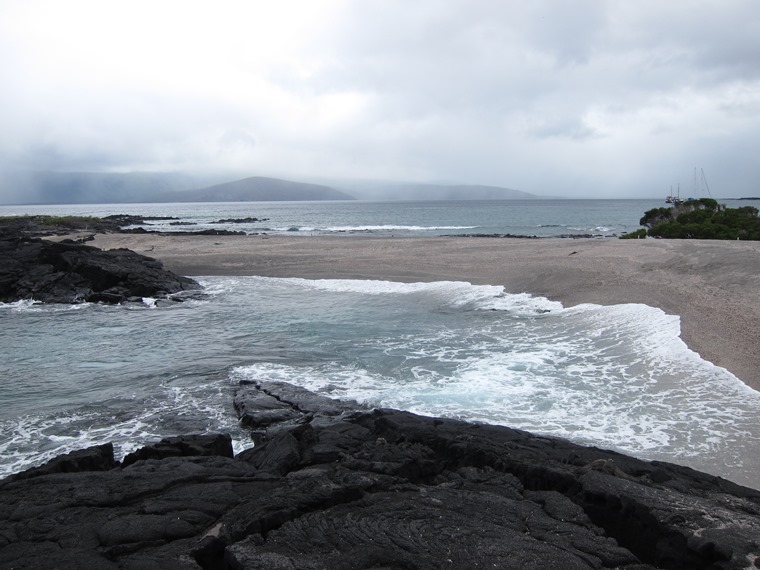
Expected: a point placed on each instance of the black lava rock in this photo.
(333, 485)
(183, 446)
(69, 272)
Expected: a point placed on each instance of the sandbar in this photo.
(714, 286)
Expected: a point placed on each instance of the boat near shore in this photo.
(675, 199)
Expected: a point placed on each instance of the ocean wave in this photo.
(618, 376)
(32, 306)
(589, 390)
(590, 229)
(369, 228)
(454, 293)
(454, 289)
(21, 305)
(33, 439)
(577, 228)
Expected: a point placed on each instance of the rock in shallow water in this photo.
(343, 487)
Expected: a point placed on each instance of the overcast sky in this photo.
(587, 98)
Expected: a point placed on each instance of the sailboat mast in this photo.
(704, 179)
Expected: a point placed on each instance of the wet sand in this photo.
(714, 286)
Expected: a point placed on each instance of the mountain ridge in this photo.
(378, 190)
(257, 189)
(47, 187)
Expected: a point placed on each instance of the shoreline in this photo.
(711, 285)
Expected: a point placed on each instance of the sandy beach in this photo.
(712, 285)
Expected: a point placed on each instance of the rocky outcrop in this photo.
(45, 225)
(96, 458)
(248, 220)
(183, 446)
(69, 272)
(332, 485)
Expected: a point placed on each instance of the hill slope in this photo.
(121, 188)
(43, 187)
(425, 192)
(256, 189)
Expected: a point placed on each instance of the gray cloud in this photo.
(589, 98)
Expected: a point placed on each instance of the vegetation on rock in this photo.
(51, 225)
(700, 219)
(641, 233)
(67, 221)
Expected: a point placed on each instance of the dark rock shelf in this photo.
(333, 485)
(68, 272)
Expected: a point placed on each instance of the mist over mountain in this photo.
(376, 190)
(145, 187)
(42, 187)
(256, 189)
(38, 187)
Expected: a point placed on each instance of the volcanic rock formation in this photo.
(333, 485)
(69, 272)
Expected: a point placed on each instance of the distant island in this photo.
(148, 187)
(375, 190)
(256, 189)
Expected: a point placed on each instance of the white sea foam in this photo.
(453, 289)
(547, 389)
(455, 293)
(390, 227)
(22, 305)
(590, 229)
(369, 228)
(618, 376)
(32, 306)
(519, 303)
(31, 440)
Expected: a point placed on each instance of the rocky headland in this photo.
(86, 227)
(331, 484)
(68, 271)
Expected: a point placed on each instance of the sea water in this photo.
(520, 217)
(616, 376)
(541, 218)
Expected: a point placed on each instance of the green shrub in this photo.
(638, 234)
(703, 219)
(67, 221)
(656, 216)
